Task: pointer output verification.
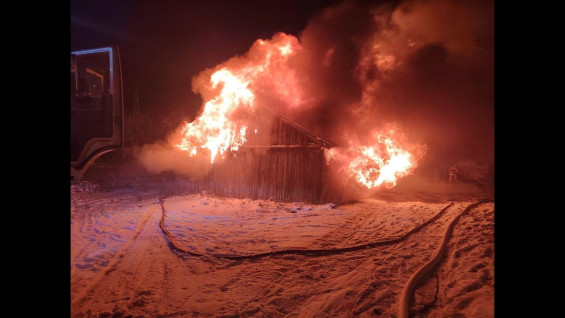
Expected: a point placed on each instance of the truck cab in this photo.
(97, 110)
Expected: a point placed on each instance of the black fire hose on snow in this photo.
(308, 252)
(409, 288)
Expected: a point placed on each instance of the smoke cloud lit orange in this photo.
(356, 70)
(228, 113)
(267, 76)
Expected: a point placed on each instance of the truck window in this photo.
(91, 74)
(96, 106)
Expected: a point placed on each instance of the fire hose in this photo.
(408, 291)
(175, 246)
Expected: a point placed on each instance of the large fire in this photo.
(382, 161)
(230, 94)
(227, 113)
(214, 129)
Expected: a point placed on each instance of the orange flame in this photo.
(213, 129)
(380, 164)
(233, 87)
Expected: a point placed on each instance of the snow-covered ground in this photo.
(123, 265)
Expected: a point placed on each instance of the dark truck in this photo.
(97, 110)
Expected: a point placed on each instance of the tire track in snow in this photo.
(86, 212)
(115, 259)
(148, 281)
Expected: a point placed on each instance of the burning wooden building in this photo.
(283, 162)
(259, 155)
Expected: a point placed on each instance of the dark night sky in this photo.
(164, 43)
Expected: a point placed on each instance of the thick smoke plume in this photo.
(161, 157)
(424, 66)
